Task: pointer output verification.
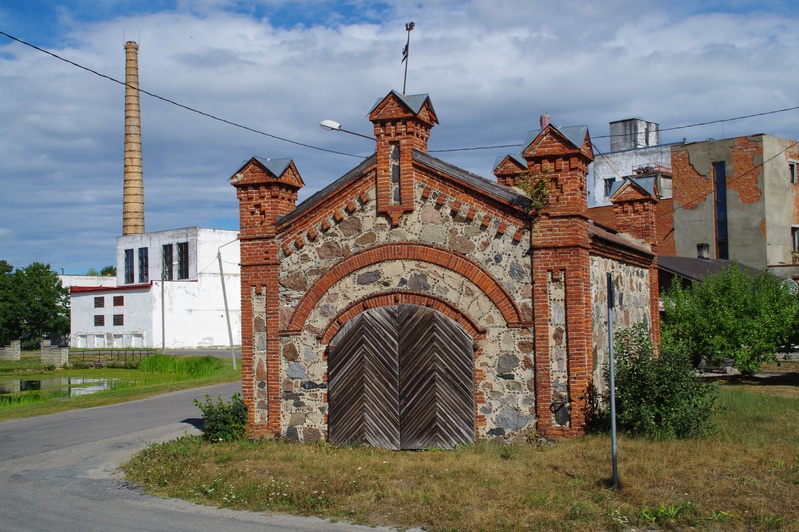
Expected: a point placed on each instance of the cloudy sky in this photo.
(491, 67)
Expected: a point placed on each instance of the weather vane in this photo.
(408, 27)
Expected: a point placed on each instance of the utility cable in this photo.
(182, 106)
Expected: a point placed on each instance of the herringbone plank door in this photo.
(401, 377)
(436, 380)
(363, 382)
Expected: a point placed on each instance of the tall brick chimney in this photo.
(133, 187)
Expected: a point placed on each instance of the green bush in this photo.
(223, 421)
(659, 397)
(731, 314)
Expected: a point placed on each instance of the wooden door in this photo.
(401, 378)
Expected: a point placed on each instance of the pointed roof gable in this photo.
(573, 138)
(394, 104)
(259, 169)
(633, 190)
(509, 163)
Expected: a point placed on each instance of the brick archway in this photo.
(400, 297)
(439, 256)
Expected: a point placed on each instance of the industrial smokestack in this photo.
(133, 188)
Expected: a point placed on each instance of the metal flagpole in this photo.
(408, 27)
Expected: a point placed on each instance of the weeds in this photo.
(734, 481)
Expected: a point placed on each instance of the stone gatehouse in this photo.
(412, 304)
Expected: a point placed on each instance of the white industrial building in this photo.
(635, 151)
(168, 293)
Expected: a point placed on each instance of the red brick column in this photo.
(561, 286)
(636, 215)
(263, 197)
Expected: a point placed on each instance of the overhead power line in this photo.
(172, 102)
(283, 139)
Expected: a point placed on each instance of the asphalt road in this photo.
(59, 472)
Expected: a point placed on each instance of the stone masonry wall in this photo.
(632, 307)
(445, 229)
(10, 352)
(54, 355)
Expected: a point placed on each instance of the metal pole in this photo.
(611, 371)
(163, 320)
(227, 312)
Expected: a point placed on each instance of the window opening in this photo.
(183, 260)
(166, 259)
(128, 266)
(144, 265)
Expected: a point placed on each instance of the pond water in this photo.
(73, 386)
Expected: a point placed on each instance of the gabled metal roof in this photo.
(414, 101)
(515, 156)
(575, 134)
(646, 183)
(276, 166)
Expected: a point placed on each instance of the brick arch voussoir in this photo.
(439, 256)
(400, 297)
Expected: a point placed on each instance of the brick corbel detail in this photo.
(414, 251)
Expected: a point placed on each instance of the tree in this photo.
(109, 271)
(33, 303)
(731, 314)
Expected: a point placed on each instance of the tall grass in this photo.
(27, 398)
(194, 367)
(745, 476)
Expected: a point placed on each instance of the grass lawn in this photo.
(745, 476)
(128, 384)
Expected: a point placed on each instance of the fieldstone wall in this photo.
(504, 387)
(632, 306)
(54, 355)
(558, 348)
(10, 352)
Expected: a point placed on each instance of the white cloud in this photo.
(490, 67)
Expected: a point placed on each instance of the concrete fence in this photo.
(10, 352)
(54, 355)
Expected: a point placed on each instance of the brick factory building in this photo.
(412, 304)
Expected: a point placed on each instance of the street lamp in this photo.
(332, 125)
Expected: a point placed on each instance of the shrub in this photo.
(223, 421)
(659, 397)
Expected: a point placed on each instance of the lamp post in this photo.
(332, 125)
